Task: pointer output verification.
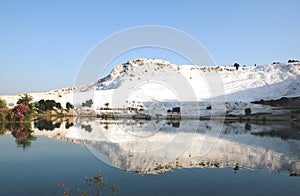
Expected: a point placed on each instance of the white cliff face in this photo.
(144, 81)
(234, 81)
(251, 83)
(153, 147)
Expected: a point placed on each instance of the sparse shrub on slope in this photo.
(88, 103)
(236, 65)
(69, 106)
(248, 111)
(292, 61)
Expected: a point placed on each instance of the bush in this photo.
(2, 111)
(50, 104)
(87, 128)
(19, 112)
(43, 105)
(247, 127)
(236, 65)
(208, 107)
(22, 133)
(26, 100)
(69, 106)
(58, 106)
(292, 61)
(248, 111)
(43, 124)
(2, 114)
(88, 103)
(68, 125)
(3, 104)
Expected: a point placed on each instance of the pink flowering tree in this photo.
(19, 112)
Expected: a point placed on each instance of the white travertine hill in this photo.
(153, 80)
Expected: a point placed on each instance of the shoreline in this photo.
(259, 117)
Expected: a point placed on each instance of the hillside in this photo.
(142, 82)
(246, 84)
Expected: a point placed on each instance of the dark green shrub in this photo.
(248, 111)
(236, 65)
(88, 103)
(69, 106)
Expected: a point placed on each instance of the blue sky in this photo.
(42, 43)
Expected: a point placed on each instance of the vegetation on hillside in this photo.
(26, 109)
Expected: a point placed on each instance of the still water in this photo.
(151, 157)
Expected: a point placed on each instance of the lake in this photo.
(156, 157)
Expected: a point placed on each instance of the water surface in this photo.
(153, 157)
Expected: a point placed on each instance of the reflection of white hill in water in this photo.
(152, 147)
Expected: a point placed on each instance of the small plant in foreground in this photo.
(96, 185)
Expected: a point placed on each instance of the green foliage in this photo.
(57, 125)
(236, 65)
(43, 124)
(19, 113)
(26, 100)
(209, 107)
(95, 184)
(3, 128)
(58, 106)
(68, 125)
(3, 114)
(292, 61)
(50, 104)
(43, 105)
(25, 144)
(48, 125)
(247, 127)
(3, 104)
(248, 111)
(69, 106)
(88, 103)
(87, 128)
(22, 133)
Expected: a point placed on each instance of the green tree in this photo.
(88, 103)
(50, 104)
(236, 65)
(43, 124)
(26, 100)
(69, 106)
(58, 106)
(248, 111)
(292, 61)
(3, 104)
(41, 105)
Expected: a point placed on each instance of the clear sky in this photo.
(42, 43)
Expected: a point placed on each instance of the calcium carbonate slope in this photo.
(151, 80)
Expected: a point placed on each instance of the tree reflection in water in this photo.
(22, 133)
(49, 125)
